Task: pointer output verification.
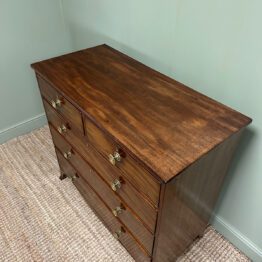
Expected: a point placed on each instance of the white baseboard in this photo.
(22, 128)
(237, 239)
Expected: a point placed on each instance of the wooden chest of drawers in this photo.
(147, 153)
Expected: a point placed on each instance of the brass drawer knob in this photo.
(62, 129)
(67, 155)
(114, 157)
(119, 233)
(118, 210)
(116, 184)
(56, 103)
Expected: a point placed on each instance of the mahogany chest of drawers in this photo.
(147, 153)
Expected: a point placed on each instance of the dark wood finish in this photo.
(141, 207)
(189, 201)
(97, 205)
(92, 156)
(102, 210)
(163, 123)
(66, 109)
(112, 200)
(65, 168)
(112, 224)
(57, 121)
(142, 180)
(146, 213)
(176, 146)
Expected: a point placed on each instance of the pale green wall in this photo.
(29, 30)
(214, 46)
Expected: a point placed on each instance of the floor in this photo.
(44, 219)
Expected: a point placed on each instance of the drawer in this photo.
(60, 104)
(103, 211)
(112, 224)
(136, 174)
(67, 171)
(112, 200)
(61, 124)
(138, 215)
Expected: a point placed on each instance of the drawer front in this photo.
(61, 124)
(67, 171)
(60, 104)
(133, 224)
(138, 176)
(102, 210)
(112, 224)
(126, 195)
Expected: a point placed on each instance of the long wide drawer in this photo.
(117, 205)
(66, 170)
(137, 175)
(94, 200)
(60, 104)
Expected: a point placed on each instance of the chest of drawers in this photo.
(147, 153)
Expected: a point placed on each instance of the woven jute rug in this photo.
(44, 219)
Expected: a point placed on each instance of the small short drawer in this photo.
(62, 125)
(60, 104)
(114, 226)
(142, 222)
(138, 176)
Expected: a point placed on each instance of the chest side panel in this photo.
(189, 199)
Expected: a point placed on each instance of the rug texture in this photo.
(44, 219)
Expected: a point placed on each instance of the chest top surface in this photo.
(159, 120)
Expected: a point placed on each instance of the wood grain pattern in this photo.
(141, 209)
(56, 120)
(103, 212)
(142, 180)
(67, 110)
(144, 208)
(91, 155)
(164, 124)
(189, 200)
(141, 234)
(107, 218)
(177, 145)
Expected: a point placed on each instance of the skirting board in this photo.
(22, 128)
(237, 239)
